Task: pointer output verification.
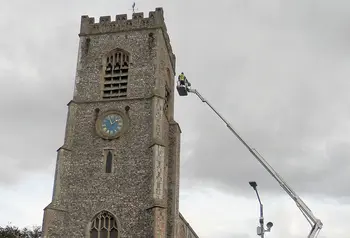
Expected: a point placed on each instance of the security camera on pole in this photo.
(260, 229)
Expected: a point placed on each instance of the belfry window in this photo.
(116, 72)
(104, 225)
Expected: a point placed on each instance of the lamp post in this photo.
(260, 229)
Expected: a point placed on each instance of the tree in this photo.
(34, 233)
(14, 232)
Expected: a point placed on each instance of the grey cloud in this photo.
(278, 70)
(283, 84)
(278, 73)
(35, 86)
(37, 69)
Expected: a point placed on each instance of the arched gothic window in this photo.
(104, 225)
(116, 72)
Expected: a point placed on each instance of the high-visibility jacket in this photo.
(182, 77)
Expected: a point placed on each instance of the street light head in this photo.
(253, 184)
(269, 225)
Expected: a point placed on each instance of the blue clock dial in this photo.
(112, 124)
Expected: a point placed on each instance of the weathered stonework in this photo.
(141, 191)
(158, 175)
(160, 223)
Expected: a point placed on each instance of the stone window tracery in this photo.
(104, 225)
(116, 72)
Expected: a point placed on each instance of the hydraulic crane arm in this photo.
(316, 224)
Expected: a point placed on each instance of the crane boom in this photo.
(316, 224)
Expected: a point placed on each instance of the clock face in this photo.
(112, 124)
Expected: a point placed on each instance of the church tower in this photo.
(117, 173)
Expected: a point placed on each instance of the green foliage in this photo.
(14, 232)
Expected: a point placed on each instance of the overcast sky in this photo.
(277, 70)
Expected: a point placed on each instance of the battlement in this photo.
(122, 23)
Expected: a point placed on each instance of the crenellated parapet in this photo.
(121, 23)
